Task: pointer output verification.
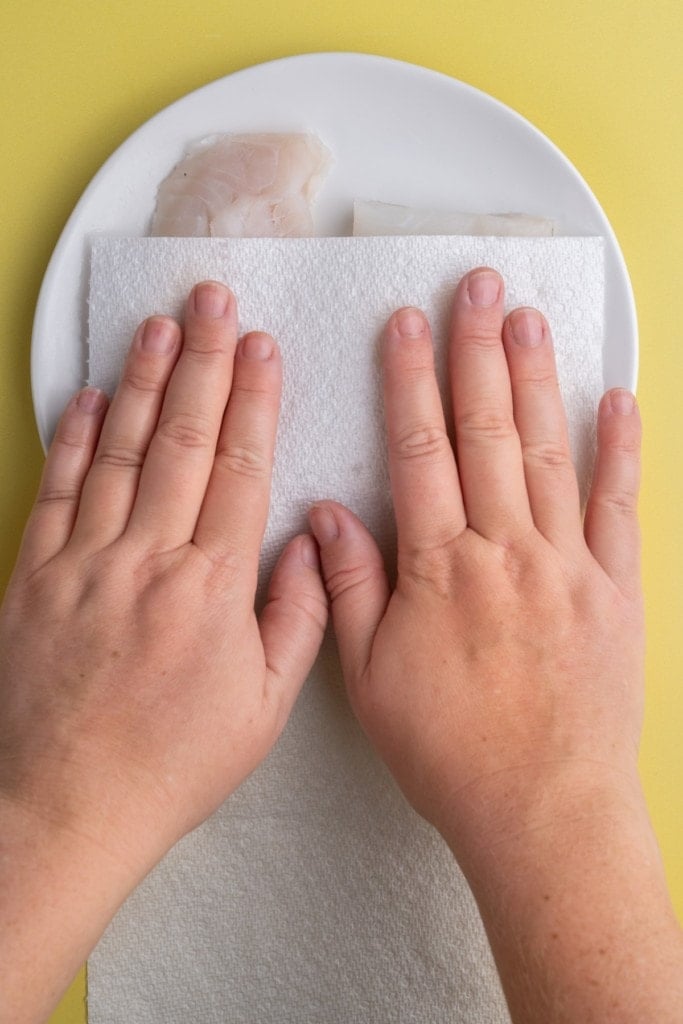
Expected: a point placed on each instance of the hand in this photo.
(501, 680)
(509, 656)
(137, 689)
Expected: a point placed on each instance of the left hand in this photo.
(137, 688)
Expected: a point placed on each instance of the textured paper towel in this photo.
(315, 894)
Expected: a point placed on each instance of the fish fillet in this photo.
(243, 186)
(370, 218)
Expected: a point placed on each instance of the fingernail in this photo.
(158, 336)
(527, 327)
(257, 346)
(91, 400)
(324, 525)
(211, 299)
(483, 287)
(622, 402)
(309, 552)
(410, 322)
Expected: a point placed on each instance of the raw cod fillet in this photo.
(370, 218)
(243, 186)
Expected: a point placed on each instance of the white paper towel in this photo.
(315, 895)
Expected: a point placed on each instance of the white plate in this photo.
(399, 133)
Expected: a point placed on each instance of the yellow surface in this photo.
(602, 79)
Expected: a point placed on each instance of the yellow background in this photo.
(603, 79)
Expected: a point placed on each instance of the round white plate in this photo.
(399, 133)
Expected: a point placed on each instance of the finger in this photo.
(611, 524)
(235, 509)
(424, 479)
(180, 456)
(111, 485)
(355, 580)
(542, 427)
(68, 460)
(488, 451)
(293, 621)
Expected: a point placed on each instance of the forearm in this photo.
(58, 892)
(579, 919)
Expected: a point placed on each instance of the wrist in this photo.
(59, 890)
(85, 806)
(571, 890)
(536, 812)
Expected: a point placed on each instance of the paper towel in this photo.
(315, 895)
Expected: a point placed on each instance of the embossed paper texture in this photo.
(315, 894)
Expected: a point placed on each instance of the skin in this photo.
(137, 688)
(501, 680)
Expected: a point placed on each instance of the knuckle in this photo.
(57, 495)
(345, 578)
(620, 502)
(70, 441)
(224, 565)
(120, 455)
(135, 380)
(486, 423)
(412, 367)
(205, 347)
(480, 337)
(417, 376)
(547, 454)
(434, 567)
(186, 431)
(253, 389)
(627, 447)
(424, 443)
(543, 379)
(311, 608)
(243, 458)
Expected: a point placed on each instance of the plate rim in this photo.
(39, 327)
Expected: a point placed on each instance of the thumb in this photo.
(293, 621)
(355, 579)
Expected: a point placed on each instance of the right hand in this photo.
(502, 679)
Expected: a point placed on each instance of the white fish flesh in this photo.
(243, 186)
(371, 218)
